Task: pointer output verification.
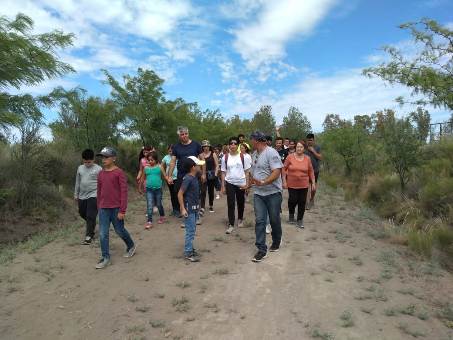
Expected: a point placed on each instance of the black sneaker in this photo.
(274, 247)
(211, 209)
(259, 256)
(192, 257)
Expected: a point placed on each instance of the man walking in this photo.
(266, 177)
(314, 152)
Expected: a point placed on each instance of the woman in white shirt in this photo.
(235, 177)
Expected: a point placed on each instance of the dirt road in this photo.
(334, 280)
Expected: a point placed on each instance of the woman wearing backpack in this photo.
(235, 179)
(212, 165)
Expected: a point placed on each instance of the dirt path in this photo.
(331, 280)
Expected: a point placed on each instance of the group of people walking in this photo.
(195, 170)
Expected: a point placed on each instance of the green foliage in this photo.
(430, 71)
(263, 120)
(295, 125)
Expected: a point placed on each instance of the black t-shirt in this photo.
(314, 161)
(283, 154)
(181, 151)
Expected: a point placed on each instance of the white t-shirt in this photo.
(234, 170)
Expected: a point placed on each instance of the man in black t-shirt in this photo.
(185, 148)
(314, 152)
(280, 149)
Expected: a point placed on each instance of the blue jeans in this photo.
(154, 198)
(191, 227)
(267, 207)
(107, 216)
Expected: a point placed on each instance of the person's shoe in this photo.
(87, 240)
(195, 253)
(291, 219)
(199, 221)
(201, 212)
(161, 220)
(192, 257)
(183, 225)
(102, 263)
(300, 224)
(229, 229)
(148, 225)
(217, 197)
(240, 223)
(268, 229)
(211, 209)
(259, 256)
(131, 251)
(274, 247)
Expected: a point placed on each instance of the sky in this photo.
(236, 55)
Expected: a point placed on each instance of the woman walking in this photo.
(298, 175)
(171, 187)
(212, 166)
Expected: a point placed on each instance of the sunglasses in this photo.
(233, 143)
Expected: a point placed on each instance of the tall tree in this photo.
(141, 100)
(421, 118)
(430, 71)
(263, 120)
(295, 124)
(26, 59)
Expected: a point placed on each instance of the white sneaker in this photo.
(131, 252)
(268, 229)
(199, 221)
(240, 223)
(229, 230)
(102, 263)
(217, 197)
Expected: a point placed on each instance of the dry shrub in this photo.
(382, 193)
(420, 242)
(436, 196)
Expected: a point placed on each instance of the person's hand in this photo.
(203, 178)
(277, 128)
(258, 182)
(170, 180)
(285, 185)
(312, 149)
(121, 216)
(223, 190)
(184, 212)
(76, 199)
(313, 186)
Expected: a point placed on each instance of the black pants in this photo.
(88, 210)
(297, 197)
(208, 186)
(176, 186)
(234, 193)
(173, 197)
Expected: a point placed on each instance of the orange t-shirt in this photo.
(298, 172)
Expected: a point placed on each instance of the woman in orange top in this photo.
(297, 175)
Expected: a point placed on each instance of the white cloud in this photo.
(346, 93)
(279, 21)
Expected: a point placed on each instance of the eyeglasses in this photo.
(233, 143)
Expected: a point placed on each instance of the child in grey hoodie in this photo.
(85, 192)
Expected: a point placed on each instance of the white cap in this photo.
(196, 160)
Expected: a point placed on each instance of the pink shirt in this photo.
(298, 172)
(112, 190)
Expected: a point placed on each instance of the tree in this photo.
(333, 121)
(85, 122)
(421, 118)
(141, 101)
(26, 59)
(263, 120)
(430, 71)
(295, 124)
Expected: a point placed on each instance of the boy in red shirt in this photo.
(112, 205)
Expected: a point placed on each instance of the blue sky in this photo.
(236, 55)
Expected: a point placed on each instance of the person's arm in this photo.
(285, 173)
(123, 195)
(216, 163)
(222, 174)
(164, 165)
(163, 174)
(311, 175)
(203, 168)
(277, 131)
(270, 179)
(99, 190)
(77, 185)
(318, 155)
(172, 168)
(141, 181)
(181, 201)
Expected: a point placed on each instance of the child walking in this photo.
(112, 205)
(189, 201)
(85, 192)
(154, 173)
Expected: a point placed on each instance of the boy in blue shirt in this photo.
(189, 202)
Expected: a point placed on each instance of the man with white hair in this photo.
(185, 148)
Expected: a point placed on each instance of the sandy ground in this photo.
(329, 281)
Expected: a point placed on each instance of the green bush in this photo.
(379, 189)
(436, 196)
(420, 242)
